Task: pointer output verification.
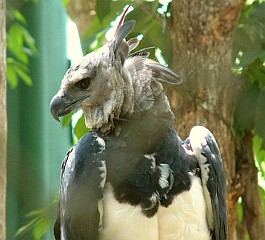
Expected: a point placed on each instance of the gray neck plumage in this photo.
(133, 92)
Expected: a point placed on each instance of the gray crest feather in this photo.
(121, 47)
(133, 43)
(121, 21)
(123, 31)
(163, 73)
(142, 52)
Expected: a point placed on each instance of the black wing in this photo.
(205, 148)
(82, 181)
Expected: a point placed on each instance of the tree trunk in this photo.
(3, 120)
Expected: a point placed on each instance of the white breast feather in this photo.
(124, 221)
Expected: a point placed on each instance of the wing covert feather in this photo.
(205, 148)
(82, 182)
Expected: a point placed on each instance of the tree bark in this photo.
(3, 120)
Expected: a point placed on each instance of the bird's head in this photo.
(98, 83)
(106, 84)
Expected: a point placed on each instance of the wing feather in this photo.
(206, 150)
(82, 182)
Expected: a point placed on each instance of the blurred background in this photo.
(37, 61)
(43, 42)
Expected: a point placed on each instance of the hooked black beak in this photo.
(59, 107)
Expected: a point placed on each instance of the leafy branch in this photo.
(40, 220)
(20, 45)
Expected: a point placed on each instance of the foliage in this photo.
(249, 61)
(260, 159)
(65, 2)
(248, 58)
(20, 46)
(40, 220)
(148, 25)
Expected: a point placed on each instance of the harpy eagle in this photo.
(132, 177)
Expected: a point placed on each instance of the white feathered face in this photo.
(95, 85)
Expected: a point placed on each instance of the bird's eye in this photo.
(84, 83)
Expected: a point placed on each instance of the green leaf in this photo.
(262, 56)
(258, 11)
(240, 210)
(15, 40)
(26, 227)
(17, 64)
(33, 1)
(249, 57)
(65, 2)
(29, 41)
(37, 212)
(150, 27)
(55, 200)
(249, 37)
(20, 17)
(259, 125)
(66, 120)
(24, 76)
(17, 70)
(94, 42)
(98, 26)
(41, 227)
(246, 109)
(256, 73)
(20, 43)
(80, 128)
(102, 8)
(12, 77)
(262, 194)
(41, 220)
(259, 154)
